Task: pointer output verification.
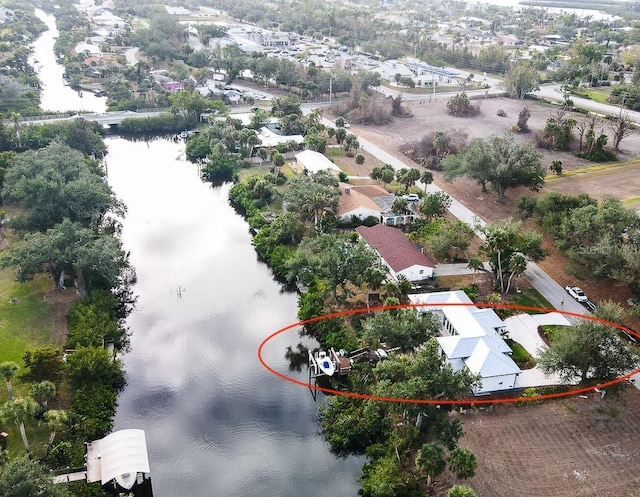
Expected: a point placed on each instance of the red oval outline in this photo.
(444, 401)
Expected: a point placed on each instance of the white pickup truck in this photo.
(577, 293)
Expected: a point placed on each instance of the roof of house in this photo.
(354, 197)
(117, 454)
(394, 247)
(315, 161)
(270, 139)
(477, 342)
(486, 362)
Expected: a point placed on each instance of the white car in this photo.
(411, 197)
(577, 293)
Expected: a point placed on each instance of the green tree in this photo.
(445, 238)
(383, 478)
(8, 370)
(55, 419)
(90, 365)
(53, 183)
(18, 411)
(408, 177)
(334, 259)
(520, 80)
(435, 205)
(588, 350)
(43, 363)
(359, 159)
(311, 199)
(462, 462)
(508, 246)
(24, 477)
(190, 104)
(426, 178)
(403, 328)
(95, 259)
(42, 392)
(430, 460)
(476, 265)
(461, 491)
(498, 161)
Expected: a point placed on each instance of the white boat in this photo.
(325, 364)
(126, 480)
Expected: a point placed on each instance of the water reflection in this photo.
(55, 95)
(217, 423)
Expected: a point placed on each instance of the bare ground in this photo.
(573, 447)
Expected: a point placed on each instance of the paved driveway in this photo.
(523, 328)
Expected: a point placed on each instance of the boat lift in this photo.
(324, 364)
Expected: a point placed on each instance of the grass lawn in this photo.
(520, 356)
(532, 298)
(26, 316)
(599, 95)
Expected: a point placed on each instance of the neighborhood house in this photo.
(397, 252)
(471, 339)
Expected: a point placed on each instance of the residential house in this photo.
(471, 338)
(396, 251)
(88, 49)
(313, 162)
(363, 201)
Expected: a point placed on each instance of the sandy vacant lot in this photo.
(430, 117)
(573, 447)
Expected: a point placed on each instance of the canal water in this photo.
(216, 422)
(56, 96)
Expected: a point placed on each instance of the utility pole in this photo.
(330, 88)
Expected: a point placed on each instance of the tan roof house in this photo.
(397, 252)
(363, 201)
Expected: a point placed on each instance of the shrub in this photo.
(460, 106)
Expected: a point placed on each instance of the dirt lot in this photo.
(573, 447)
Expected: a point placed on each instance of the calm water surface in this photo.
(55, 95)
(217, 423)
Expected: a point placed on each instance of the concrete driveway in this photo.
(523, 328)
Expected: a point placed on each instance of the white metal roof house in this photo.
(314, 162)
(397, 252)
(471, 339)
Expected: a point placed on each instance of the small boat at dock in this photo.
(325, 364)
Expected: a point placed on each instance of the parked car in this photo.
(577, 293)
(411, 197)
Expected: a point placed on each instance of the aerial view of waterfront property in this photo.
(388, 249)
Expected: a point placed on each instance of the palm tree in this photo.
(475, 264)
(55, 419)
(42, 391)
(18, 411)
(318, 205)
(8, 370)
(430, 459)
(15, 117)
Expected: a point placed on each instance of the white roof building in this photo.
(87, 48)
(120, 457)
(472, 339)
(270, 139)
(314, 162)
